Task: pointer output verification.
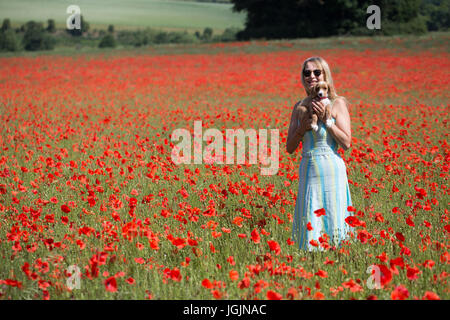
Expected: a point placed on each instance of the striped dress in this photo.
(323, 183)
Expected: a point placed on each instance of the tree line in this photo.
(272, 19)
(33, 36)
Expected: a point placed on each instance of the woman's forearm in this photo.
(340, 136)
(294, 140)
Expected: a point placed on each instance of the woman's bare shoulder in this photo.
(340, 104)
(299, 103)
(340, 101)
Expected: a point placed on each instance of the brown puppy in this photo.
(319, 92)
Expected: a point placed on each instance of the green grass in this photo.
(167, 15)
(433, 42)
(205, 265)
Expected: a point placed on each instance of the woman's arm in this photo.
(296, 131)
(341, 130)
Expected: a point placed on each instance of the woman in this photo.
(322, 174)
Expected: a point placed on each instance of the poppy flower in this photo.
(234, 275)
(319, 212)
(255, 236)
(111, 284)
(399, 293)
(430, 295)
(207, 284)
(274, 246)
(385, 274)
(272, 295)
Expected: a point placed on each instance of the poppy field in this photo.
(93, 207)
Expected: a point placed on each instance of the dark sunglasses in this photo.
(307, 73)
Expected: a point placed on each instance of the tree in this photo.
(111, 28)
(207, 34)
(84, 27)
(6, 25)
(437, 14)
(107, 41)
(8, 41)
(35, 38)
(315, 18)
(51, 26)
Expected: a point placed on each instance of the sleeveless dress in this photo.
(323, 183)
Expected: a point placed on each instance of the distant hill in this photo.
(129, 14)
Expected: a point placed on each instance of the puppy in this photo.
(319, 92)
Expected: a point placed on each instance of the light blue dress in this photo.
(323, 183)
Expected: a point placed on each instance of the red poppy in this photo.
(207, 284)
(321, 273)
(412, 273)
(110, 284)
(352, 221)
(319, 212)
(255, 236)
(429, 295)
(385, 274)
(400, 236)
(399, 293)
(234, 275)
(314, 243)
(244, 283)
(272, 295)
(274, 246)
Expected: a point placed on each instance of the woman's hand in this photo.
(319, 109)
(304, 123)
(341, 131)
(299, 124)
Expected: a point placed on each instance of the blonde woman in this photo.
(323, 182)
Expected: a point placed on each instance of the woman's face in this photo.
(312, 79)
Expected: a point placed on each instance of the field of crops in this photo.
(128, 14)
(93, 207)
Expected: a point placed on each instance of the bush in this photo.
(35, 38)
(6, 25)
(8, 41)
(415, 26)
(107, 41)
(84, 25)
(137, 38)
(229, 34)
(437, 14)
(51, 26)
(207, 34)
(180, 37)
(150, 36)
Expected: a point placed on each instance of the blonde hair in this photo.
(322, 64)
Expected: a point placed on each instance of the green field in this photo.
(126, 14)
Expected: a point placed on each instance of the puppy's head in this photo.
(320, 90)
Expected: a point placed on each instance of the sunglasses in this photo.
(307, 73)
